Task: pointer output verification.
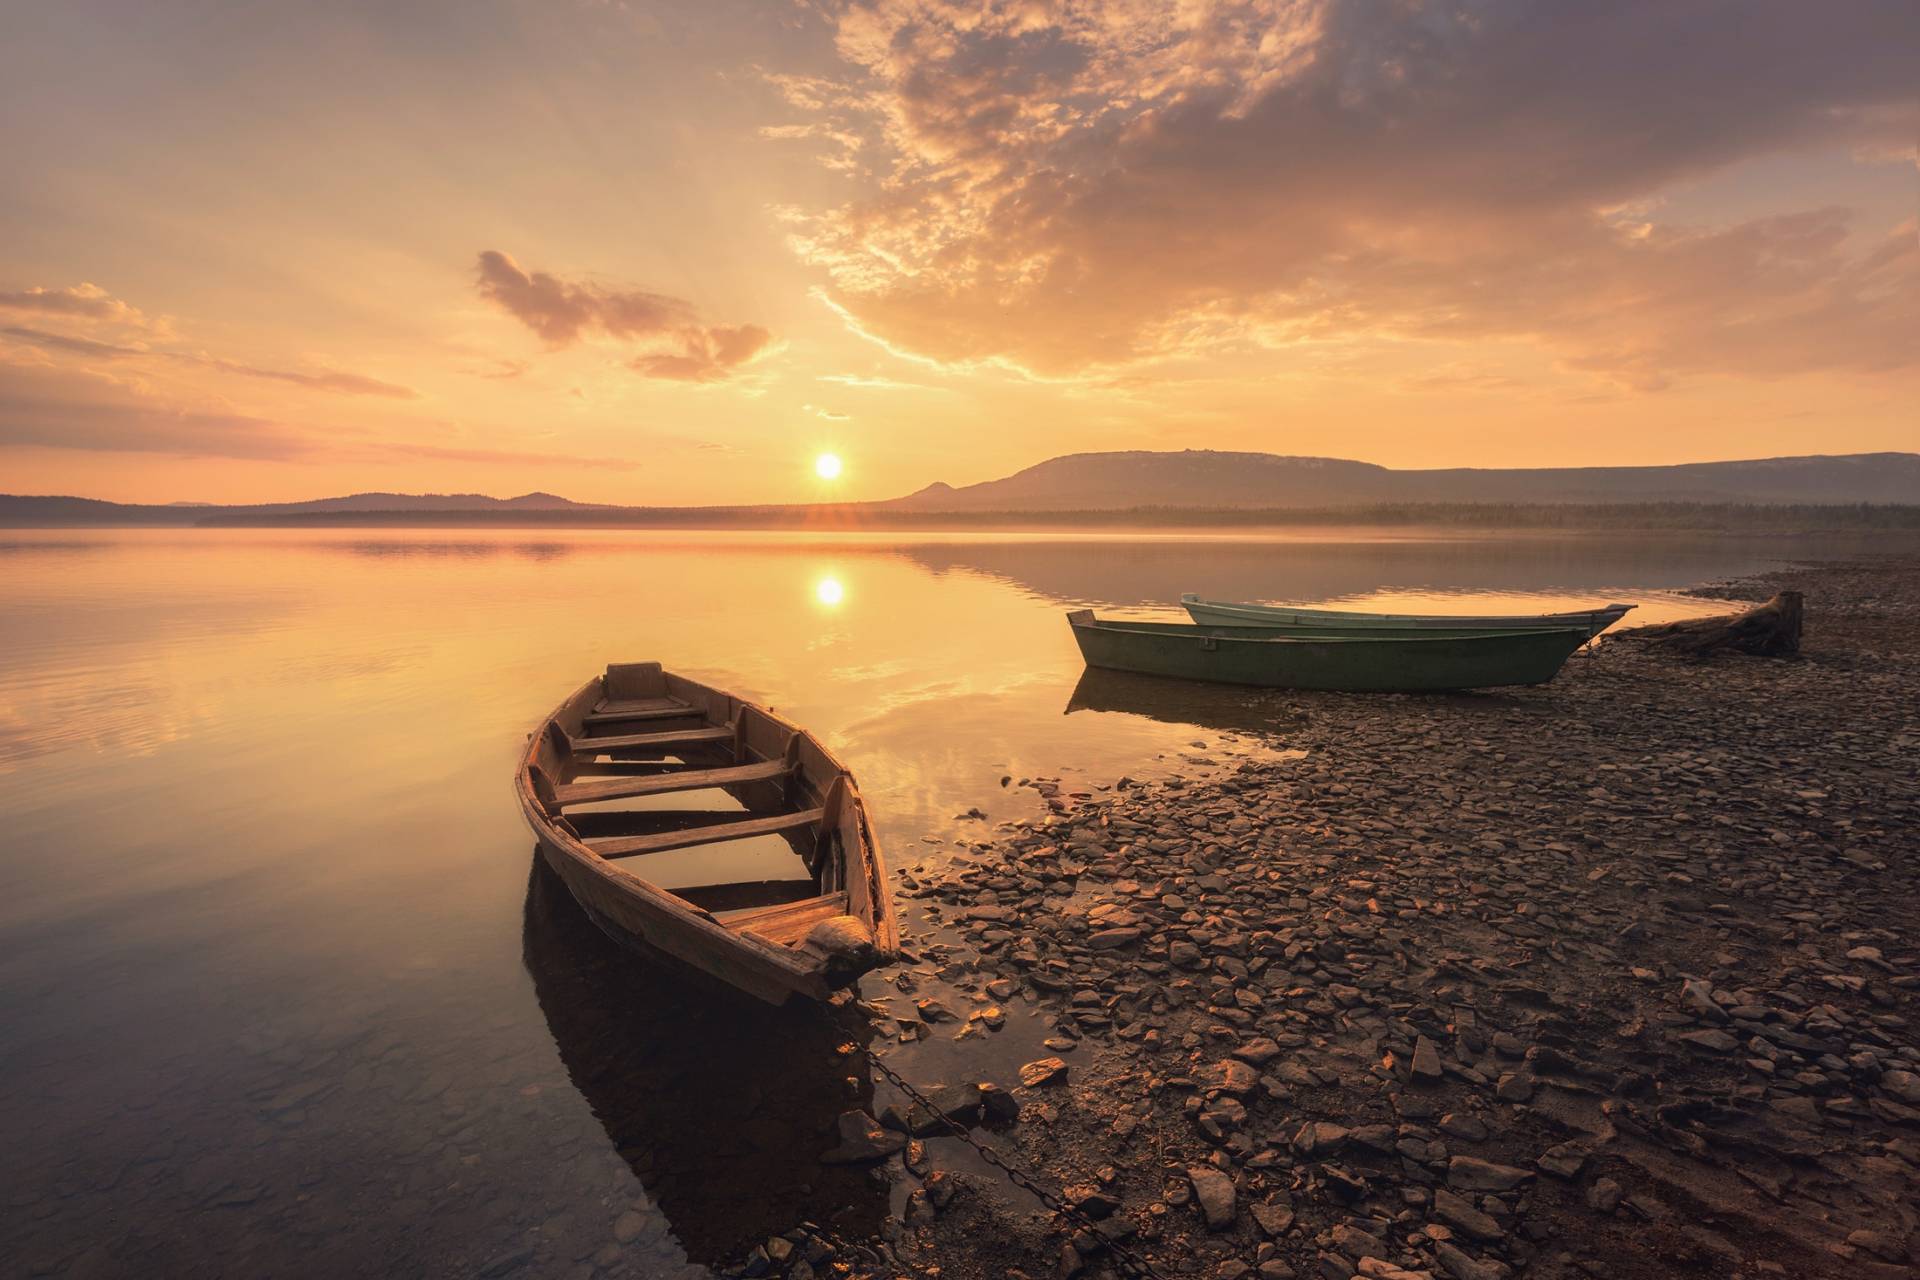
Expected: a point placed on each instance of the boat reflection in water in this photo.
(721, 1105)
(1220, 707)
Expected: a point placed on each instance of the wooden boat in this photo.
(638, 732)
(1360, 663)
(1221, 613)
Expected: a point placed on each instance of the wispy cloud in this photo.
(51, 408)
(85, 301)
(562, 313)
(57, 409)
(317, 380)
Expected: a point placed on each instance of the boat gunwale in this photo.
(1203, 630)
(1307, 617)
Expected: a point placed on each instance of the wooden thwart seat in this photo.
(639, 709)
(665, 783)
(773, 824)
(670, 738)
(790, 922)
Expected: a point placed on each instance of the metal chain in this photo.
(1130, 1262)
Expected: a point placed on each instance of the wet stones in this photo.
(1630, 942)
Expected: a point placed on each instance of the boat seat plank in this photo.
(606, 712)
(790, 922)
(669, 738)
(713, 833)
(660, 784)
(748, 895)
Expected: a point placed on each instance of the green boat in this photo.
(1354, 662)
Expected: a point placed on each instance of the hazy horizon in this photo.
(662, 252)
(562, 501)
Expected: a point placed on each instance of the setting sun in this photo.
(827, 466)
(829, 592)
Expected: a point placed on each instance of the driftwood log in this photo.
(1771, 630)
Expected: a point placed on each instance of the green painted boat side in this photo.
(1394, 663)
(1224, 613)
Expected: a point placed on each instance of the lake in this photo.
(283, 990)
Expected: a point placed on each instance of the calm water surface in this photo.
(283, 990)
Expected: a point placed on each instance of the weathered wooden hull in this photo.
(790, 784)
(1222, 613)
(1357, 664)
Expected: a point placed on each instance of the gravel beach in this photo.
(1614, 977)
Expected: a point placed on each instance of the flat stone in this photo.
(1113, 939)
(1563, 1161)
(1462, 1266)
(1880, 1244)
(1697, 995)
(1514, 1086)
(959, 1103)
(1466, 1173)
(1357, 1244)
(999, 1106)
(1230, 1075)
(1043, 1071)
(1184, 955)
(1426, 1061)
(1904, 1085)
(1090, 1200)
(1604, 1195)
(1213, 1190)
(863, 1140)
(1465, 1127)
(1272, 1219)
(1259, 1051)
(1319, 1138)
(1713, 1041)
(1460, 1214)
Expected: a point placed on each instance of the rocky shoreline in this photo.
(1615, 977)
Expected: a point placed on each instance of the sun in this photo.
(829, 592)
(827, 466)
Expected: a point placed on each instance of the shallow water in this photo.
(282, 989)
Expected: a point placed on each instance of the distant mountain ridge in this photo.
(1205, 478)
(1192, 480)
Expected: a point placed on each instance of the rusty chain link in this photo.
(1130, 1262)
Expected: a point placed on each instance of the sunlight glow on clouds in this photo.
(1064, 185)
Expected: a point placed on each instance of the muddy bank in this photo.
(1613, 977)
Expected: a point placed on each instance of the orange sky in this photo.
(669, 253)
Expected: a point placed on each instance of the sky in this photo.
(671, 253)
